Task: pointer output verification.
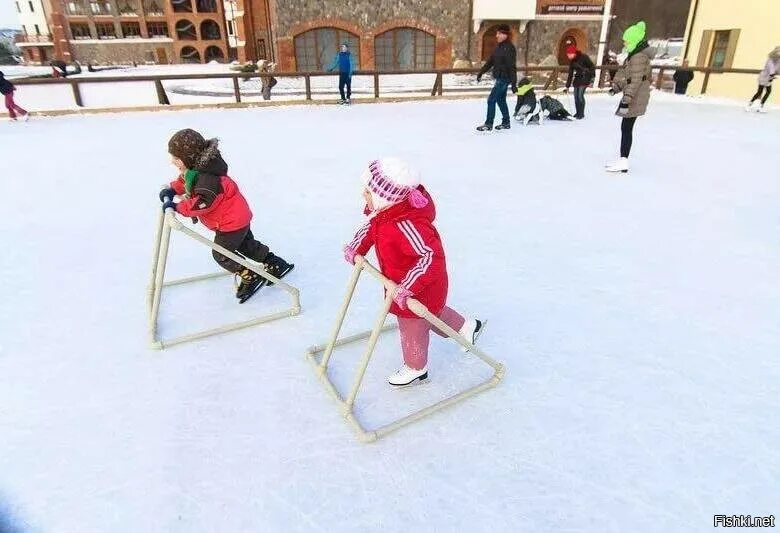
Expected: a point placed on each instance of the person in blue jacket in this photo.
(345, 62)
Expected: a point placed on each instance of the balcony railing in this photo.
(22, 38)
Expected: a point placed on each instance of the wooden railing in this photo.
(550, 81)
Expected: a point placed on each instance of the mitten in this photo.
(400, 297)
(479, 78)
(349, 255)
(167, 194)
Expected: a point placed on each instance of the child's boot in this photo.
(277, 267)
(471, 330)
(406, 376)
(250, 283)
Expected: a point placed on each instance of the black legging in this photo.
(759, 91)
(626, 135)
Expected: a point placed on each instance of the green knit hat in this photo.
(634, 35)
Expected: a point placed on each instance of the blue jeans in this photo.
(579, 101)
(498, 96)
(345, 80)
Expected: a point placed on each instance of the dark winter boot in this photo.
(277, 267)
(484, 127)
(250, 283)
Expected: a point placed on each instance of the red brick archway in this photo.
(575, 36)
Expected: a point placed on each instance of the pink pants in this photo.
(415, 335)
(11, 106)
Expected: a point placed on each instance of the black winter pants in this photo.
(760, 90)
(243, 243)
(626, 135)
(345, 80)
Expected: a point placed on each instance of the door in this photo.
(162, 57)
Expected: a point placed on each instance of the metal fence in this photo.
(544, 77)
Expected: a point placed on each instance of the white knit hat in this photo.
(391, 181)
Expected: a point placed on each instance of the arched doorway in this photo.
(489, 42)
(189, 55)
(572, 36)
(315, 49)
(214, 53)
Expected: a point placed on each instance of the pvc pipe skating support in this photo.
(168, 221)
(347, 405)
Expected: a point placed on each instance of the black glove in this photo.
(565, 90)
(479, 77)
(167, 204)
(167, 193)
(514, 89)
(613, 91)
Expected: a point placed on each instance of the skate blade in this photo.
(282, 275)
(422, 380)
(246, 297)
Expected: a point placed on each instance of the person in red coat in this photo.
(409, 251)
(208, 194)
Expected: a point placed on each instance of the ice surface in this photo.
(638, 316)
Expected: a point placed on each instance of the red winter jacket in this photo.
(409, 251)
(215, 200)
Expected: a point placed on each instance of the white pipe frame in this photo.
(347, 403)
(166, 223)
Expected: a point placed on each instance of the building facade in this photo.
(126, 31)
(35, 41)
(665, 19)
(720, 34)
(408, 36)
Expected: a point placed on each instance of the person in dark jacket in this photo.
(682, 78)
(7, 90)
(345, 62)
(503, 61)
(212, 197)
(582, 71)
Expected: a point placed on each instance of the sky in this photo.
(8, 15)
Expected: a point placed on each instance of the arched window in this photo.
(182, 6)
(214, 53)
(209, 31)
(206, 6)
(185, 31)
(316, 49)
(404, 49)
(189, 55)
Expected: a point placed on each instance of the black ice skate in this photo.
(251, 282)
(503, 126)
(484, 127)
(277, 267)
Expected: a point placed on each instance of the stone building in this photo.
(415, 35)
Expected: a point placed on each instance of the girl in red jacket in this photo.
(209, 195)
(410, 253)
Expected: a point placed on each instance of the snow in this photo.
(638, 316)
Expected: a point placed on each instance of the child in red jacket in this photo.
(210, 195)
(410, 253)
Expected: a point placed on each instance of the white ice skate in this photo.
(471, 330)
(761, 109)
(406, 376)
(750, 106)
(26, 117)
(621, 165)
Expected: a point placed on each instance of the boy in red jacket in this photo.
(410, 253)
(209, 195)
